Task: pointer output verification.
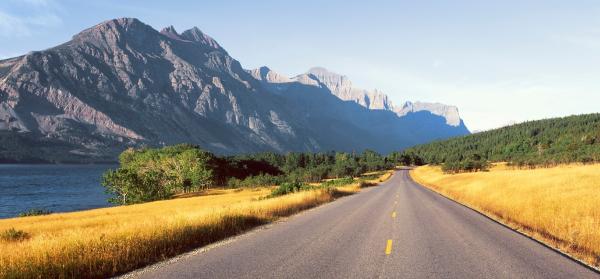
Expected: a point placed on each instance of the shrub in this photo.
(338, 182)
(288, 188)
(256, 181)
(14, 235)
(364, 184)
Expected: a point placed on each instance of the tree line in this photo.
(149, 174)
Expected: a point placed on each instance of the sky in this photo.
(499, 62)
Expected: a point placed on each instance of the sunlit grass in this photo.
(559, 205)
(110, 241)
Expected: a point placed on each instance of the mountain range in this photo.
(124, 84)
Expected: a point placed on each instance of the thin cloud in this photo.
(589, 40)
(42, 14)
(40, 3)
(51, 20)
(12, 26)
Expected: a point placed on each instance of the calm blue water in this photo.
(57, 188)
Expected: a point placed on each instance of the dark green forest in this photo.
(148, 174)
(545, 142)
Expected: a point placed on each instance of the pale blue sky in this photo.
(498, 61)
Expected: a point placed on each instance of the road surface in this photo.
(396, 230)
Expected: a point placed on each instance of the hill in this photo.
(534, 143)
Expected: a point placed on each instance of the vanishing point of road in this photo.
(396, 230)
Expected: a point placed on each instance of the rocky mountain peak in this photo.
(450, 113)
(334, 81)
(342, 87)
(121, 25)
(195, 35)
(169, 29)
(112, 33)
(125, 22)
(321, 71)
(265, 74)
(170, 32)
(262, 72)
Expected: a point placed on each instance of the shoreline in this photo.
(59, 163)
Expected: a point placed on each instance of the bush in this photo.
(35, 212)
(256, 181)
(288, 188)
(364, 184)
(14, 235)
(338, 182)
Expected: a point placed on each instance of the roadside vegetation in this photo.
(151, 174)
(558, 205)
(106, 242)
(35, 212)
(542, 143)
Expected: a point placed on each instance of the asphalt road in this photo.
(395, 230)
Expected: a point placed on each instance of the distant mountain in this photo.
(121, 83)
(342, 87)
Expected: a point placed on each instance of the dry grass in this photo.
(559, 205)
(110, 241)
(384, 177)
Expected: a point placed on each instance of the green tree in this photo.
(153, 174)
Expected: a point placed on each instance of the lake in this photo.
(57, 188)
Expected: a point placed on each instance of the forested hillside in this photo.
(535, 143)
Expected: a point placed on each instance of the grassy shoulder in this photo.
(557, 205)
(105, 242)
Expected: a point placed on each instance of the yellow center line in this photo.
(388, 247)
(394, 214)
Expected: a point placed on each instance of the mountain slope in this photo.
(121, 83)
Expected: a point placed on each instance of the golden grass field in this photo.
(559, 206)
(110, 241)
